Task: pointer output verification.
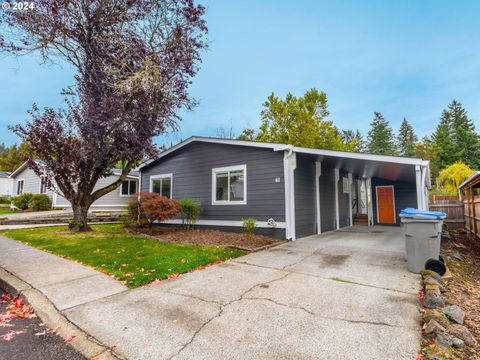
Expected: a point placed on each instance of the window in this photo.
(20, 187)
(162, 184)
(129, 187)
(43, 185)
(346, 185)
(229, 185)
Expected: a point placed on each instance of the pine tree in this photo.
(455, 138)
(406, 139)
(380, 137)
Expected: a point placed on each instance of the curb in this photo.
(85, 344)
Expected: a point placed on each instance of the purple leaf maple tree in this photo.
(134, 61)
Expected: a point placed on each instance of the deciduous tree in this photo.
(452, 176)
(134, 62)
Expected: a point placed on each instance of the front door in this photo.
(385, 205)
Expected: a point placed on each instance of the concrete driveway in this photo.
(342, 295)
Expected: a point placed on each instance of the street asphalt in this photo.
(30, 339)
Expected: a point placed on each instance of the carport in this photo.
(335, 189)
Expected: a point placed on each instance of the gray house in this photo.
(24, 180)
(291, 191)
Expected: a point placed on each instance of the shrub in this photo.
(249, 226)
(5, 200)
(147, 207)
(191, 209)
(40, 202)
(22, 201)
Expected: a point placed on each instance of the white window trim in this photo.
(345, 185)
(40, 186)
(225, 169)
(136, 187)
(23, 186)
(162, 176)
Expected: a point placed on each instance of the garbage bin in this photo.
(423, 232)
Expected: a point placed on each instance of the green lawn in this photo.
(5, 209)
(136, 260)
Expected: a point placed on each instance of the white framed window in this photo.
(346, 185)
(229, 185)
(20, 184)
(162, 184)
(43, 185)
(129, 187)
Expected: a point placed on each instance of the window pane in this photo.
(166, 186)
(156, 186)
(237, 185)
(133, 187)
(221, 186)
(125, 188)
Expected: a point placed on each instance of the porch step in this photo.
(360, 220)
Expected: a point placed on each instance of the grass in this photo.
(5, 209)
(133, 259)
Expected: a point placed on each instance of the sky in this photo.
(403, 58)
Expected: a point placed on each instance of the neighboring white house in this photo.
(6, 184)
(24, 180)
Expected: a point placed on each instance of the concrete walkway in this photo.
(343, 295)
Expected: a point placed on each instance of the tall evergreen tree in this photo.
(406, 139)
(380, 138)
(455, 138)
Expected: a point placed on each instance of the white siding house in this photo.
(6, 184)
(24, 180)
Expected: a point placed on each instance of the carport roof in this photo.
(397, 168)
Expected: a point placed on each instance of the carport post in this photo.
(350, 182)
(337, 211)
(418, 177)
(318, 173)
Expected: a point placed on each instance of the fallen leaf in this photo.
(69, 338)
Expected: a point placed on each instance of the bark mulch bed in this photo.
(208, 238)
(462, 254)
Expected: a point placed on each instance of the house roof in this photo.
(132, 174)
(4, 174)
(474, 180)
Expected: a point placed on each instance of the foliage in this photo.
(406, 139)
(5, 200)
(452, 176)
(380, 137)
(134, 259)
(134, 62)
(248, 227)
(455, 138)
(191, 210)
(248, 134)
(40, 202)
(301, 121)
(147, 207)
(22, 201)
(14, 156)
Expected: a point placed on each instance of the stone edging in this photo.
(55, 319)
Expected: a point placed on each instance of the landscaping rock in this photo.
(445, 339)
(456, 255)
(429, 280)
(461, 332)
(433, 274)
(454, 313)
(434, 327)
(437, 315)
(433, 299)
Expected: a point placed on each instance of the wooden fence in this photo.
(452, 206)
(472, 213)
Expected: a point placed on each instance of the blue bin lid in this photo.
(411, 213)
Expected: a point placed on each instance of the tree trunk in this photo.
(80, 214)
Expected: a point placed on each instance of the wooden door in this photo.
(385, 205)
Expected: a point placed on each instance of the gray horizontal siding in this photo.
(192, 165)
(327, 197)
(405, 195)
(305, 217)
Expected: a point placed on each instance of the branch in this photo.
(105, 190)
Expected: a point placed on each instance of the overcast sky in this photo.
(402, 58)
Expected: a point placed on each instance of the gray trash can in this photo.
(422, 241)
